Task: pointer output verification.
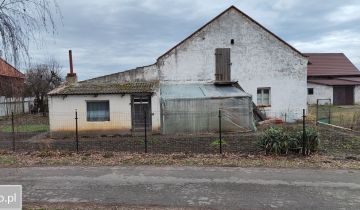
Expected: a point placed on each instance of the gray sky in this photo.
(109, 36)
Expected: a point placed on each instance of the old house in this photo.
(11, 87)
(226, 64)
(333, 76)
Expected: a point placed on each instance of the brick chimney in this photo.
(71, 77)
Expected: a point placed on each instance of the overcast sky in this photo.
(109, 36)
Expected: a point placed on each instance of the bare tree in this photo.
(20, 21)
(40, 79)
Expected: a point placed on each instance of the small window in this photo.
(232, 41)
(98, 111)
(263, 96)
(310, 91)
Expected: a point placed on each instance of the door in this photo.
(343, 95)
(222, 65)
(141, 110)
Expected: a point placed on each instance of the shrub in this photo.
(278, 141)
(275, 141)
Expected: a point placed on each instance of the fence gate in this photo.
(323, 111)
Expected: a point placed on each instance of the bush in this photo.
(275, 141)
(278, 141)
(217, 142)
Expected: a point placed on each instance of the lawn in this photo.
(26, 128)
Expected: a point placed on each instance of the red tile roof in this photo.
(8, 70)
(334, 82)
(330, 64)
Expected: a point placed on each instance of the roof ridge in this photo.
(222, 13)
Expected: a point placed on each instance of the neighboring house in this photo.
(11, 80)
(11, 87)
(226, 64)
(333, 76)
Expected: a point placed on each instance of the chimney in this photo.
(71, 77)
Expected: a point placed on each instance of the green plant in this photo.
(277, 140)
(217, 142)
(312, 140)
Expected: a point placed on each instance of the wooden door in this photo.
(343, 95)
(223, 64)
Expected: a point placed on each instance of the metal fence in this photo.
(323, 110)
(15, 105)
(74, 132)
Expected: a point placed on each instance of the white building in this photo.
(332, 76)
(228, 62)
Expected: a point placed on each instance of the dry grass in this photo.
(48, 158)
(345, 116)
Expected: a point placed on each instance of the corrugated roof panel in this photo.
(177, 91)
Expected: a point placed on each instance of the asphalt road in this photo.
(207, 187)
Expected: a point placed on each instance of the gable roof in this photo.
(242, 13)
(330, 64)
(93, 88)
(8, 70)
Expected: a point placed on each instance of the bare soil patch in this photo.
(53, 158)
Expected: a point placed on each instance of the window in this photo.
(98, 111)
(310, 91)
(263, 96)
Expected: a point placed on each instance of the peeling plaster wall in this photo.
(320, 92)
(62, 114)
(258, 60)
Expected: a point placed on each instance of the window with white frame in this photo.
(98, 111)
(263, 97)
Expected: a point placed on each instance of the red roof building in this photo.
(11, 80)
(333, 76)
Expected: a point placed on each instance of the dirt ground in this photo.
(51, 158)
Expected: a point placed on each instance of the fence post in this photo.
(13, 131)
(145, 132)
(304, 134)
(330, 112)
(220, 140)
(77, 131)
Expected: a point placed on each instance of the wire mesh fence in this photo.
(220, 132)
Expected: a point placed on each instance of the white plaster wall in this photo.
(62, 114)
(320, 92)
(357, 94)
(258, 60)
